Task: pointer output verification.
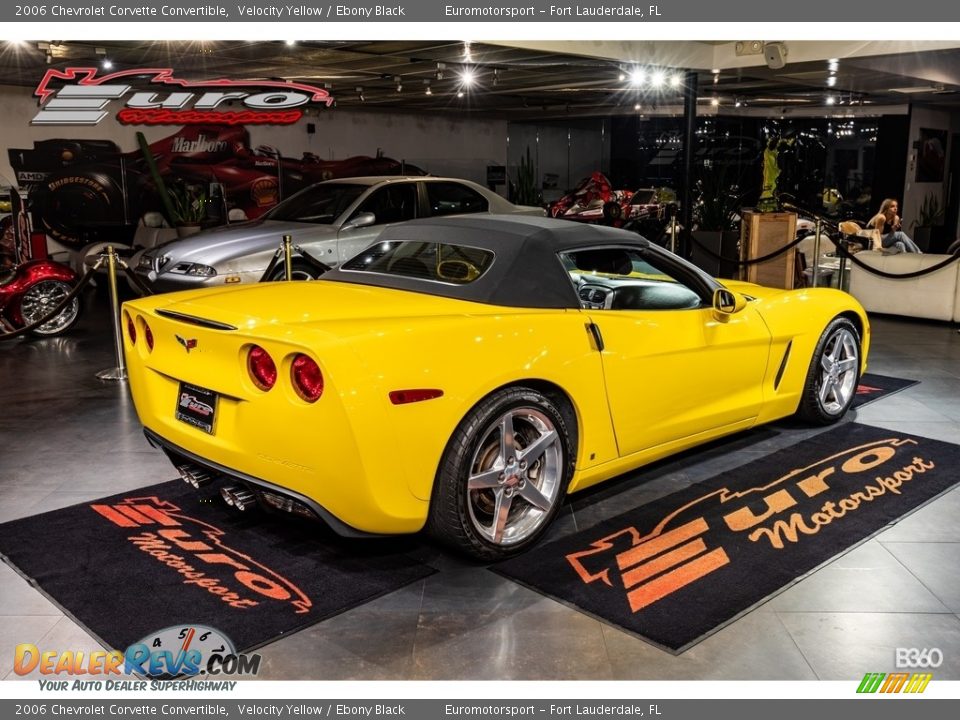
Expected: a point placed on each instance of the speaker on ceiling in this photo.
(775, 54)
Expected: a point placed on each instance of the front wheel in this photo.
(40, 299)
(299, 270)
(503, 475)
(833, 375)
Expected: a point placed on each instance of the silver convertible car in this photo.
(332, 221)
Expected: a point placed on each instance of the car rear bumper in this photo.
(180, 456)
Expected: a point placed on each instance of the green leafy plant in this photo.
(717, 204)
(526, 188)
(189, 203)
(930, 212)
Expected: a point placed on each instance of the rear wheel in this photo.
(503, 475)
(40, 299)
(834, 373)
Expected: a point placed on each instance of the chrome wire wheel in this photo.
(40, 299)
(839, 368)
(515, 476)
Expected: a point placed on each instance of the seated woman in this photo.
(887, 223)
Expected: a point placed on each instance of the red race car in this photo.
(595, 201)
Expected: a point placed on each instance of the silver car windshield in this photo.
(318, 204)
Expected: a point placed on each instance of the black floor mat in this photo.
(678, 569)
(135, 563)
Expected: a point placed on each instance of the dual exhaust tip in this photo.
(236, 497)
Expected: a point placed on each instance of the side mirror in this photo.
(726, 302)
(362, 220)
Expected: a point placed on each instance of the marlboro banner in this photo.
(678, 569)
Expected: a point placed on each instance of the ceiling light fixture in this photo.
(831, 100)
(833, 64)
(427, 91)
(459, 93)
(637, 106)
(467, 77)
(831, 81)
(637, 76)
(107, 64)
(658, 78)
(399, 81)
(440, 68)
(290, 42)
(675, 81)
(714, 101)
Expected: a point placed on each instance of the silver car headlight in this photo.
(146, 262)
(195, 269)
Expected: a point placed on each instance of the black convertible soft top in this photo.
(526, 271)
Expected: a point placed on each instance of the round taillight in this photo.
(131, 328)
(148, 335)
(263, 371)
(307, 378)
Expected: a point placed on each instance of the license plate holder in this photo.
(196, 406)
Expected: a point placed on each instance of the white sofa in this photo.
(934, 296)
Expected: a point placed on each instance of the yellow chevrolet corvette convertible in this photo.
(464, 374)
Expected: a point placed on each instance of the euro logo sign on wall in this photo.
(154, 96)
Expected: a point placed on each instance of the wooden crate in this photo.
(765, 233)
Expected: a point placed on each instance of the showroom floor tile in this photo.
(68, 438)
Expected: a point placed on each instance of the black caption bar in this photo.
(260, 11)
(219, 707)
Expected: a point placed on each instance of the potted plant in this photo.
(715, 225)
(929, 216)
(189, 207)
(525, 190)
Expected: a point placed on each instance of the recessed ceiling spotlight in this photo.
(738, 103)
(622, 76)
(831, 100)
(833, 64)
(715, 101)
(637, 106)
(291, 42)
(467, 77)
(459, 93)
(658, 78)
(831, 81)
(675, 81)
(107, 64)
(637, 76)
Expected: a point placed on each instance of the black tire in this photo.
(457, 514)
(612, 211)
(842, 340)
(300, 270)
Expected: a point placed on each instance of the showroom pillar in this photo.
(686, 177)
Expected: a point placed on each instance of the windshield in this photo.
(320, 204)
(441, 262)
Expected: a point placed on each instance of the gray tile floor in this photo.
(67, 438)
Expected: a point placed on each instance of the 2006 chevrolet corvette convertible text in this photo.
(464, 374)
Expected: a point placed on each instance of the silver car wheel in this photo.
(515, 476)
(40, 299)
(839, 367)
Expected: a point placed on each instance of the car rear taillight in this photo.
(262, 369)
(307, 378)
(148, 335)
(131, 328)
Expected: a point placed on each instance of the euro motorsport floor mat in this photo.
(130, 565)
(678, 569)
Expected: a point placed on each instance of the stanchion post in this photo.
(817, 229)
(118, 373)
(287, 257)
(673, 234)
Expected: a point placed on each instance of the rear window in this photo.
(439, 262)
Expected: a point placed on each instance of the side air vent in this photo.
(191, 320)
(783, 366)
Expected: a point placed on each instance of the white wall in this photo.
(460, 147)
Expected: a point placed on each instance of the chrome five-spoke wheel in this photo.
(504, 473)
(514, 476)
(834, 372)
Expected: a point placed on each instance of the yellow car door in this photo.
(673, 374)
(674, 367)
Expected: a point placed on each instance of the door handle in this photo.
(594, 330)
